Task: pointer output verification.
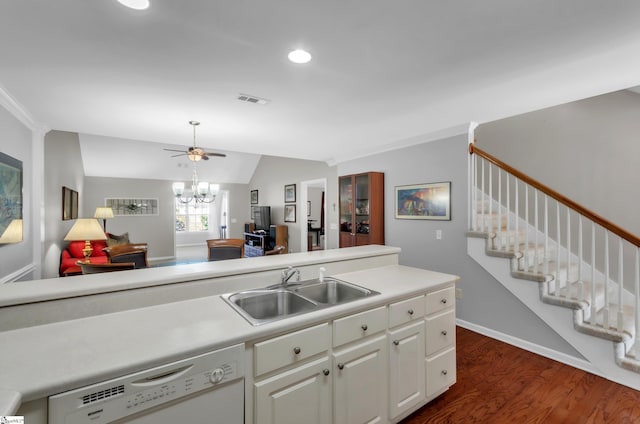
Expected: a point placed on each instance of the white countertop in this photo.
(36, 362)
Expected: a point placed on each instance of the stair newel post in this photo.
(536, 223)
(620, 286)
(580, 283)
(545, 266)
(567, 281)
(484, 217)
(526, 227)
(605, 317)
(637, 302)
(499, 246)
(557, 280)
(592, 319)
(516, 242)
(474, 193)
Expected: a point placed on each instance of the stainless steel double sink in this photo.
(261, 306)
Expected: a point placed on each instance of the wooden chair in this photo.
(125, 253)
(223, 249)
(277, 250)
(99, 268)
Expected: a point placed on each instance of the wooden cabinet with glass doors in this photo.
(361, 209)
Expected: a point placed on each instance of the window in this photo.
(192, 216)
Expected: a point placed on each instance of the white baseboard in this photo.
(531, 347)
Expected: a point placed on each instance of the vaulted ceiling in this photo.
(383, 73)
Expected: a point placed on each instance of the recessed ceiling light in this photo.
(135, 4)
(299, 56)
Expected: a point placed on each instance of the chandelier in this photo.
(201, 191)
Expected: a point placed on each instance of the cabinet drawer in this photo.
(406, 311)
(441, 331)
(360, 325)
(441, 299)
(441, 371)
(290, 348)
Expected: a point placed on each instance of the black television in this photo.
(262, 217)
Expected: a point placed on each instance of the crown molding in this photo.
(20, 112)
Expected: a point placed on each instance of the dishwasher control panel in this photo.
(120, 397)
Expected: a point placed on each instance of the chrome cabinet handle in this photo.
(296, 350)
(410, 311)
(364, 327)
(444, 372)
(396, 342)
(340, 366)
(325, 371)
(443, 332)
(443, 301)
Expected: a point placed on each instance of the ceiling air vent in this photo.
(252, 99)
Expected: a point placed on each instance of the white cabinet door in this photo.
(406, 367)
(360, 383)
(300, 395)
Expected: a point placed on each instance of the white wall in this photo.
(484, 302)
(16, 141)
(270, 177)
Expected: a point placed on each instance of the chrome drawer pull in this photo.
(296, 350)
(410, 311)
(444, 372)
(325, 371)
(443, 332)
(364, 327)
(396, 342)
(443, 301)
(340, 366)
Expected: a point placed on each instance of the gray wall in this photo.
(484, 301)
(587, 150)
(15, 141)
(270, 177)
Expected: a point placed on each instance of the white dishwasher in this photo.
(207, 388)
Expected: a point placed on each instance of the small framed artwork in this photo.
(69, 204)
(290, 193)
(254, 209)
(10, 199)
(132, 206)
(254, 197)
(424, 201)
(308, 208)
(289, 213)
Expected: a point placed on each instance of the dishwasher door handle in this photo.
(162, 378)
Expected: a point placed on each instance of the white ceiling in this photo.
(384, 73)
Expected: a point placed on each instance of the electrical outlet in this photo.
(458, 293)
(438, 234)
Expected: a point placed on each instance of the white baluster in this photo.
(557, 291)
(605, 319)
(508, 212)
(484, 217)
(545, 267)
(535, 222)
(499, 246)
(620, 287)
(526, 228)
(567, 281)
(490, 199)
(592, 320)
(516, 242)
(637, 303)
(580, 283)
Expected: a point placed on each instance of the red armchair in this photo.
(73, 253)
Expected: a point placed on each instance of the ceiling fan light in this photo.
(194, 157)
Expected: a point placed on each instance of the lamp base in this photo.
(87, 251)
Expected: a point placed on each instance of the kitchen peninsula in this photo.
(94, 329)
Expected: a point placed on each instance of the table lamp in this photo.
(13, 232)
(104, 213)
(86, 229)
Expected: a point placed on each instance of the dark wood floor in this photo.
(500, 383)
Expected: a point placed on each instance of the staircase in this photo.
(579, 261)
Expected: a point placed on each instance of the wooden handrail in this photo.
(631, 238)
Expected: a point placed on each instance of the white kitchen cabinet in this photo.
(300, 395)
(406, 367)
(440, 341)
(360, 382)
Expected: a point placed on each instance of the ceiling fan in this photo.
(195, 153)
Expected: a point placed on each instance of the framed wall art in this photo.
(430, 201)
(69, 204)
(10, 199)
(132, 206)
(289, 213)
(290, 193)
(254, 197)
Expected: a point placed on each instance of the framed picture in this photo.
(254, 197)
(254, 209)
(290, 193)
(132, 206)
(10, 199)
(308, 208)
(424, 201)
(289, 213)
(69, 204)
